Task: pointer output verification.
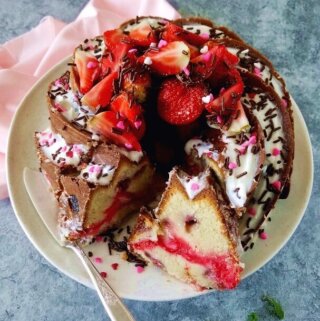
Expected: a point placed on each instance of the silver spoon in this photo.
(36, 187)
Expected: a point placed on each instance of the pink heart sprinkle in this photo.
(104, 274)
(91, 169)
(69, 154)
(97, 169)
(92, 65)
(115, 266)
(127, 145)
(195, 186)
(219, 119)
(251, 211)
(137, 124)
(207, 56)
(57, 82)
(242, 150)
(252, 140)
(263, 235)
(284, 103)
(205, 36)
(98, 260)
(186, 71)
(276, 152)
(257, 71)
(120, 125)
(59, 108)
(140, 269)
(232, 165)
(64, 149)
(276, 185)
(162, 43)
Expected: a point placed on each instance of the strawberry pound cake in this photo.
(184, 102)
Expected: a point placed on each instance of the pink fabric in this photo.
(26, 58)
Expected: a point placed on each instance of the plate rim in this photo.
(86, 281)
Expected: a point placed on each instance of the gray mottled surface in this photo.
(288, 32)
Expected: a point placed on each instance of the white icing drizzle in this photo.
(260, 69)
(98, 174)
(270, 119)
(68, 103)
(237, 185)
(201, 147)
(203, 29)
(95, 46)
(193, 185)
(57, 151)
(153, 22)
(133, 155)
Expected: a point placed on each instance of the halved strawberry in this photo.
(169, 60)
(128, 109)
(215, 60)
(180, 104)
(88, 69)
(118, 44)
(173, 32)
(142, 35)
(109, 125)
(137, 84)
(227, 100)
(100, 95)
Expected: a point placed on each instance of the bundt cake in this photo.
(186, 102)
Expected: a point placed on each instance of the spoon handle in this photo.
(112, 303)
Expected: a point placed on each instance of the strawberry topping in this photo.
(168, 60)
(88, 69)
(100, 95)
(180, 104)
(113, 128)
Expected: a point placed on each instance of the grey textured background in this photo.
(288, 32)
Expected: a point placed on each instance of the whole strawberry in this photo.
(179, 103)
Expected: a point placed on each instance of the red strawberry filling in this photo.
(223, 267)
(121, 198)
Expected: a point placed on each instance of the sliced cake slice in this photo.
(192, 234)
(95, 187)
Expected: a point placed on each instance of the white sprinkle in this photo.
(153, 45)
(245, 51)
(204, 49)
(147, 61)
(207, 99)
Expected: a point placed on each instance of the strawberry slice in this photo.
(118, 44)
(128, 109)
(111, 127)
(180, 104)
(137, 84)
(100, 95)
(216, 60)
(227, 100)
(131, 111)
(88, 69)
(173, 32)
(142, 35)
(169, 60)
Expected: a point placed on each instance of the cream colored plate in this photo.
(152, 284)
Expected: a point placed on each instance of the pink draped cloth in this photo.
(26, 58)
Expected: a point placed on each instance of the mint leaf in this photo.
(273, 306)
(252, 317)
